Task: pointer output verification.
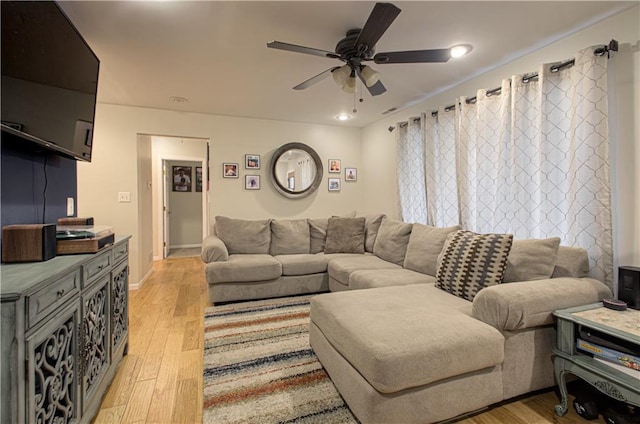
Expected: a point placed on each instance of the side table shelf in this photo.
(618, 325)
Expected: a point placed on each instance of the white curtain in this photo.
(532, 161)
(410, 166)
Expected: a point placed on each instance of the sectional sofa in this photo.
(422, 324)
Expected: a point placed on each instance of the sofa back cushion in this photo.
(532, 259)
(345, 235)
(289, 236)
(392, 240)
(372, 225)
(244, 236)
(425, 245)
(571, 262)
(470, 262)
(318, 234)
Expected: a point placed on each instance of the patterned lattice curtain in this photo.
(531, 160)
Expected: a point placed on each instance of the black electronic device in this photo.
(49, 80)
(629, 285)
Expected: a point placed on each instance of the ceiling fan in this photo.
(359, 46)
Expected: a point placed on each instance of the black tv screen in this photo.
(49, 79)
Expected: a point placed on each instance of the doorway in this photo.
(180, 196)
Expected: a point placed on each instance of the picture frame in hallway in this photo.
(334, 184)
(351, 174)
(230, 170)
(199, 178)
(251, 161)
(252, 182)
(334, 166)
(181, 178)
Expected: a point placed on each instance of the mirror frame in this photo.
(285, 190)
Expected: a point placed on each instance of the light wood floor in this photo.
(160, 380)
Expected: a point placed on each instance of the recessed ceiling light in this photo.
(343, 117)
(178, 99)
(461, 50)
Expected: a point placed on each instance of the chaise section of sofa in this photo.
(423, 353)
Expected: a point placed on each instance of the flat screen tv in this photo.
(49, 79)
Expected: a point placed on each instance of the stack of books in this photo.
(615, 353)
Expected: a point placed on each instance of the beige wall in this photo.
(115, 168)
(378, 144)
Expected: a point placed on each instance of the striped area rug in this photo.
(259, 367)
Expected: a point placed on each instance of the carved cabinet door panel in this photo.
(119, 306)
(95, 356)
(53, 393)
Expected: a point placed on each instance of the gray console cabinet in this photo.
(64, 332)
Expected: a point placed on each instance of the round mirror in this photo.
(296, 170)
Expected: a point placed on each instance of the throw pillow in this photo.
(318, 234)
(243, 236)
(470, 262)
(425, 244)
(372, 225)
(345, 235)
(289, 236)
(532, 259)
(392, 240)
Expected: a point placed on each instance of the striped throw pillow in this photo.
(470, 261)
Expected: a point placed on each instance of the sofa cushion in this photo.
(303, 264)
(340, 268)
(425, 244)
(532, 259)
(470, 261)
(289, 236)
(345, 235)
(243, 268)
(318, 234)
(243, 236)
(372, 225)
(372, 278)
(392, 240)
(403, 337)
(571, 262)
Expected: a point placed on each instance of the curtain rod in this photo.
(600, 51)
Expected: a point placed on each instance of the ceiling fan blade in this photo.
(301, 49)
(317, 78)
(413, 56)
(376, 89)
(381, 17)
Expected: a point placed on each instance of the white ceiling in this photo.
(214, 53)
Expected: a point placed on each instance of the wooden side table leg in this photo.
(561, 408)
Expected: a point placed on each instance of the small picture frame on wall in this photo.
(252, 182)
(252, 161)
(334, 184)
(229, 170)
(334, 166)
(351, 174)
(198, 178)
(181, 178)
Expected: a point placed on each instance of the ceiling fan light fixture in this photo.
(350, 85)
(460, 50)
(370, 76)
(341, 75)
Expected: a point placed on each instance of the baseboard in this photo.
(184, 246)
(140, 283)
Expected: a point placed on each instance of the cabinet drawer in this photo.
(120, 252)
(96, 266)
(46, 300)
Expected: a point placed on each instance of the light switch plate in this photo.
(124, 197)
(71, 209)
